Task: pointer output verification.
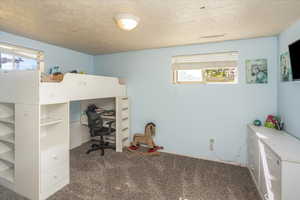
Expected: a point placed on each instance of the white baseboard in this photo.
(208, 159)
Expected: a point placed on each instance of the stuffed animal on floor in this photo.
(145, 139)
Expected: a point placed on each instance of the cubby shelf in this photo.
(50, 121)
(8, 156)
(9, 137)
(7, 174)
(9, 120)
(7, 152)
(7, 141)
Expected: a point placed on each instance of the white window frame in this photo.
(205, 62)
(23, 52)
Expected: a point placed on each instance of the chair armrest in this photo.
(110, 122)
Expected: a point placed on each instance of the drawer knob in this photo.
(54, 157)
(266, 196)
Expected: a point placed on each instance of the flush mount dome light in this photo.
(126, 21)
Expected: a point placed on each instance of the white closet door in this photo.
(122, 123)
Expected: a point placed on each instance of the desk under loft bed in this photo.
(35, 126)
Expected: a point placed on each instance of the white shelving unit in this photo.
(50, 121)
(34, 127)
(123, 123)
(7, 140)
(54, 148)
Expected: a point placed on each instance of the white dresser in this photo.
(274, 163)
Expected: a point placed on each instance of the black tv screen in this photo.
(295, 59)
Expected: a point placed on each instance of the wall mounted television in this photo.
(294, 49)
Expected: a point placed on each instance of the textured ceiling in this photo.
(88, 26)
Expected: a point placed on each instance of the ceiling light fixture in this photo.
(126, 21)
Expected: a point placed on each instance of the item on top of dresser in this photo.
(257, 122)
(274, 122)
(54, 70)
(57, 77)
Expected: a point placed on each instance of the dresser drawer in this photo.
(125, 133)
(51, 179)
(274, 167)
(273, 161)
(125, 114)
(125, 123)
(253, 155)
(54, 158)
(125, 103)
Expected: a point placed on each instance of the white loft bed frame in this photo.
(34, 127)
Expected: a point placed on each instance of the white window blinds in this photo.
(200, 61)
(21, 51)
(20, 58)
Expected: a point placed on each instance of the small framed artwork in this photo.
(257, 71)
(285, 67)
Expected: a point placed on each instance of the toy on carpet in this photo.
(146, 139)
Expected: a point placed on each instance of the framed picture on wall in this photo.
(257, 71)
(285, 67)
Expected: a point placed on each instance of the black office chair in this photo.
(95, 123)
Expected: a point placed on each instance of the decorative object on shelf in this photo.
(257, 71)
(257, 122)
(56, 77)
(146, 139)
(55, 69)
(285, 66)
(274, 122)
(77, 72)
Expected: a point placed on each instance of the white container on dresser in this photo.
(274, 163)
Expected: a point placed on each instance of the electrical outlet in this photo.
(211, 144)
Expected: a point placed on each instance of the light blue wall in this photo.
(187, 116)
(289, 92)
(56, 56)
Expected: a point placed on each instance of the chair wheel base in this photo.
(102, 147)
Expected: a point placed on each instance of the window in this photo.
(205, 68)
(192, 75)
(19, 58)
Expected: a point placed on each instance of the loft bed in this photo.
(75, 87)
(35, 127)
(26, 87)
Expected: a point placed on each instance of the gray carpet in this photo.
(129, 176)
